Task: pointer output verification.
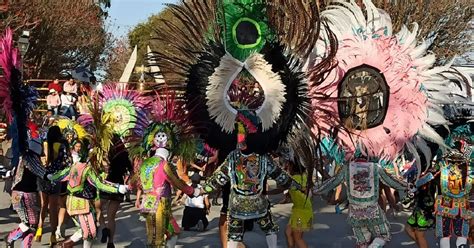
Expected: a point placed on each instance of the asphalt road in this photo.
(330, 230)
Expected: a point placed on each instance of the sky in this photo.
(125, 14)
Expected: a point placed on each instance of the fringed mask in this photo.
(160, 136)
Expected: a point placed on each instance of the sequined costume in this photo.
(25, 199)
(362, 178)
(422, 217)
(82, 185)
(157, 177)
(452, 205)
(246, 174)
(165, 133)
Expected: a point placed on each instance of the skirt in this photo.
(301, 219)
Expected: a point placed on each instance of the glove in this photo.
(49, 177)
(122, 189)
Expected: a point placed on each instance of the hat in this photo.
(195, 177)
(52, 90)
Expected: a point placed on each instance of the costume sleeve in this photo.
(173, 179)
(282, 178)
(218, 179)
(60, 175)
(331, 183)
(391, 181)
(101, 185)
(33, 163)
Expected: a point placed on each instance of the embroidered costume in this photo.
(82, 186)
(455, 173)
(168, 135)
(247, 174)
(25, 198)
(363, 178)
(82, 177)
(242, 75)
(17, 101)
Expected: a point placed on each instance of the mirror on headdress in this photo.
(363, 98)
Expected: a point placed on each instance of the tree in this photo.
(446, 24)
(116, 59)
(64, 34)
(144, 34)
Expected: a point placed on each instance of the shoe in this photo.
(110, 245)
(65, 244)
(200, 226)
(52, 240)
(13, 236)
(8, 244)
(105, 235)
(39, 234)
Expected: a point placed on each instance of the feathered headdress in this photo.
(384, 87)
(169, 117)
(124, 106)
(99, 126)
(239, 63)
(69, 126)
(17, 100)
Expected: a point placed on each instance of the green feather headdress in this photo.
(167, 116)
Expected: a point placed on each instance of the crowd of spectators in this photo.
(68, 99)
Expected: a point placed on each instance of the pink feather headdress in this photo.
(365, 40)
(9, 61)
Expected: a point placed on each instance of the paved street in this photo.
(330, 229)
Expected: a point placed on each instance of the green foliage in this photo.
(144, 34)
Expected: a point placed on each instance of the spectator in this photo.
(53, 101)
(48, 119)
(67, 105)
(70, 87)
(83, 100)
(56, 86)
(196, 208)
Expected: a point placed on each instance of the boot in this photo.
(12, 237)
(105, 235)
(27, 240)
(65, 244)
(52, 240)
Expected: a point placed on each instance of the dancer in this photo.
(455, 175)
(17, 102)
(83, 180)
(368, 221)
(25, 198)
(246, 173)
(422, 217)
(168, 135)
